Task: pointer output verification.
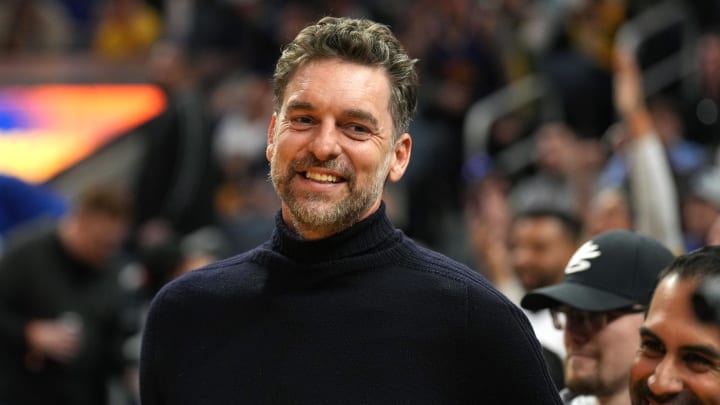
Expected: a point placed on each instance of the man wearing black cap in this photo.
(608, 284)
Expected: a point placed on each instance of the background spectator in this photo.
(62, 313)
(678, 350)
(599, 306)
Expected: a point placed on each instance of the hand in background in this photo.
(57, 339)
(627, 83)
(629, 97)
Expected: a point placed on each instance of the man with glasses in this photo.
(599, 305)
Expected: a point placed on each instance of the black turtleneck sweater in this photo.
(365, 316)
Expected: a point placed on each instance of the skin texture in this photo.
(335, 126)
(598, 362)
(679, 357)
(540, 249)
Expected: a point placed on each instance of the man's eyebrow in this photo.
(362, 115)
(299, 105)
(706, 350)
(646, 332)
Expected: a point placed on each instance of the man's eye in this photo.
(651, 348)
(698, 363)
(301, 120)
(358, 128)
(357, 131)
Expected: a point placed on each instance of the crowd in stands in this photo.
(601, 144)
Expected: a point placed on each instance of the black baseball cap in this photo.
(614, 269)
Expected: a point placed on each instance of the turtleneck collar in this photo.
(364, 236)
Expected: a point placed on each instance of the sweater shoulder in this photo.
(426, 260)
(214, 278)
(434, 263)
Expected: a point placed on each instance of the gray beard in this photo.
(317, 211)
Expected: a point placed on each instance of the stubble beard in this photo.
(593, 384)
(321, 212)
(640, 393)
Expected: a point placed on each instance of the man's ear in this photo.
(401, 157)
(271, 138)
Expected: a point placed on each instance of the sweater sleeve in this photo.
(653, 192)
(507, 351)
(152, 359)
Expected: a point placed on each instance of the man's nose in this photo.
(521, 257)
(325, 143)
(665, 380)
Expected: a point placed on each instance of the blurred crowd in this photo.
(599, 139)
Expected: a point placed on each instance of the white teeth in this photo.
(324, 178)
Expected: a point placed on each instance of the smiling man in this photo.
(599, 306)
(339, 307)
(332, 146)
(679, 357)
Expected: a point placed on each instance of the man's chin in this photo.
(321, 215)
(581, 381)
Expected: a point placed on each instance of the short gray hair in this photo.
(359, 41)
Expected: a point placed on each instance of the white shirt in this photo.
(550, 337)
(569, 398)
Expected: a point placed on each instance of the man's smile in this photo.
(322, 177)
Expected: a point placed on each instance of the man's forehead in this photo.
(332, 65)
(671, 315)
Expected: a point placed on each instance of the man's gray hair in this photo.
(358, 41)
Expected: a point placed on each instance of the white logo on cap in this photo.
(579, 260)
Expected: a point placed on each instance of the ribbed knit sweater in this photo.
(366, 316)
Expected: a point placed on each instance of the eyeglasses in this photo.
(591, 321)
